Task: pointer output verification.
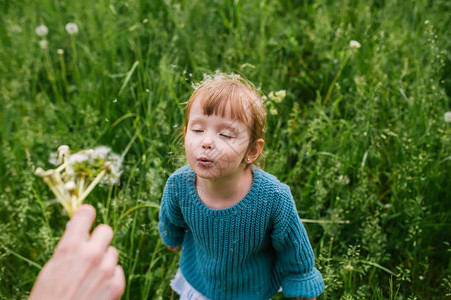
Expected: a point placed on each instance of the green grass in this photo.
(361, 135)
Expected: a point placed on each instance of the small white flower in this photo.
(448, 117)
(71, 28)
(60, 51)
(41, 30)
(421, 277)
(273, 111)
(343, 179)
(354, 44)
(43, 44)
(281, 94)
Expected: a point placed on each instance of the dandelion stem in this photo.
(91, 186)
(334, 81)
(51, 74)
(63, 73)
(64, 165)
(57, 192)
(81, 186)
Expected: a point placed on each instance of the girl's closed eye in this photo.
(226, 135)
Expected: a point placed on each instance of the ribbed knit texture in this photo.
(247, 251)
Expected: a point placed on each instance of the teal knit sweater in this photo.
(247, 251)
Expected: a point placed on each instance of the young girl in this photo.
(241, 234)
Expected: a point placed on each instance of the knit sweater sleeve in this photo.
(171, 225)
(295, 258)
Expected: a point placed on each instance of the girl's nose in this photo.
(207, 143)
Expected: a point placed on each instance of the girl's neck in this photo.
(225, 192)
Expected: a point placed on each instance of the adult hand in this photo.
(83, 266)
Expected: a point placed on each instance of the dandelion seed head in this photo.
(101, 152)
(72, 183)
(41, 30)
(60, 51)
(78, 158)
(43, 44)
(354, 44)
(447, 116)
(349, 267)
(53, 159)
(71, 28)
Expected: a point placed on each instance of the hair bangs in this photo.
(223, 99)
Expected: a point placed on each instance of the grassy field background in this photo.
(361, 135)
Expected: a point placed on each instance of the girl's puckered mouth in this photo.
(203, 161)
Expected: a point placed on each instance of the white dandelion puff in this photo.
(354, 44)
(41, 30)
(60, 51)
(349, 267)
(53, 159)
(101, 151)
(78, 158)
(71, 28)
(43, 44)
(447, 117)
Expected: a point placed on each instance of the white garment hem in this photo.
(184, 289)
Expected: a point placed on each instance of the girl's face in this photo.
(215, 146)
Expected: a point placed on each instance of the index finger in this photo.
(80, 224)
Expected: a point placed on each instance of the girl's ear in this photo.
(254, 152)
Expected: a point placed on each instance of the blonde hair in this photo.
(217, 92)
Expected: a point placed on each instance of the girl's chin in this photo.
(206, 172)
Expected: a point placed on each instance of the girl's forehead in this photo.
(223, 117)
(236, 110)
